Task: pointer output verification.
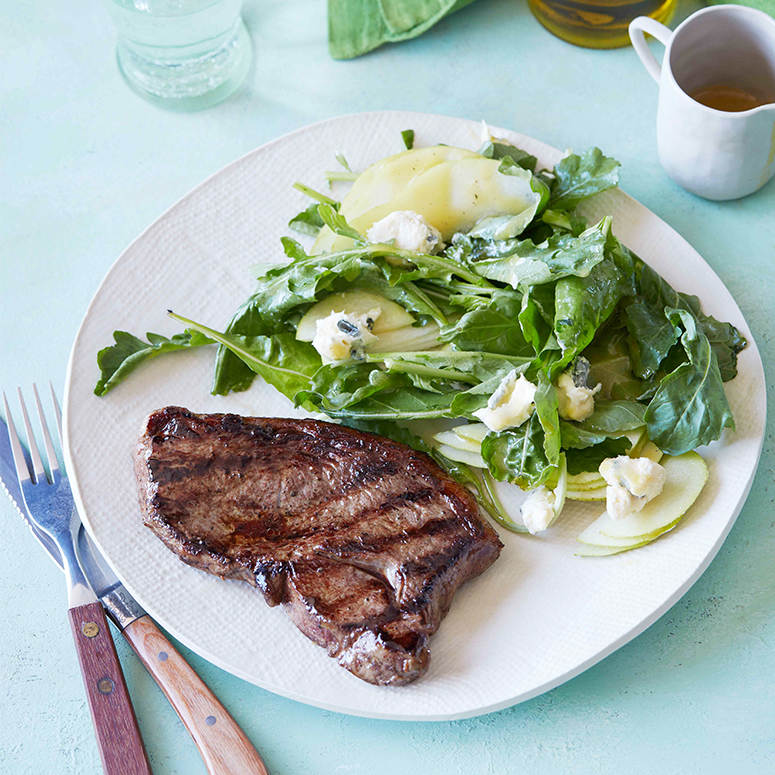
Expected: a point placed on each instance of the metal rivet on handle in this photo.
(90, 629)
(105, 686)
(210, 721)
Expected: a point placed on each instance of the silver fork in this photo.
(49, 501)
(49, 504)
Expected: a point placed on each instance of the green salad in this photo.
(456, 301)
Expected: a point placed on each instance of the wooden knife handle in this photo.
(118, 736)
(224, 747)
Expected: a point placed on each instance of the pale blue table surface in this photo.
(87, 165)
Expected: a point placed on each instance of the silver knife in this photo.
(224, 747)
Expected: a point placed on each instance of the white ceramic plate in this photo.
(535, 619)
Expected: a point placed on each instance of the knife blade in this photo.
(223, 745)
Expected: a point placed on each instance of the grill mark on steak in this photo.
(363, 540)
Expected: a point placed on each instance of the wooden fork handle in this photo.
(118, 736)
(224, 747)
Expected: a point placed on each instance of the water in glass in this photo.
(183, 54)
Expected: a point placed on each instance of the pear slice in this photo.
(583, 478)
(592, 494)
(407, 339)
(462, 456)
(685, 477)
(476, 431)
(383, 182)
(593, 537)
(391, 317)
(638, 437)
(453, 189)
(596, 485)
(606, 551)
(651, 451)
(452, 439)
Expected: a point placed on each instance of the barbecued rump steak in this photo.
(363, 540)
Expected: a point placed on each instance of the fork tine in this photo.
(57, 413)
(22, 469)
(37, 463)
(53, 463)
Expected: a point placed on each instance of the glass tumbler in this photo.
(182, 54)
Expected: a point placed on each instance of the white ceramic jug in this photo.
(713, 153)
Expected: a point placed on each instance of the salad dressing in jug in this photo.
(730, 99)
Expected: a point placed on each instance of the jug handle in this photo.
(638, 27)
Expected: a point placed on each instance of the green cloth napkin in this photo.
(358, 26)
(768, 6)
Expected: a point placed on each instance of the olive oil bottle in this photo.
(597, 23)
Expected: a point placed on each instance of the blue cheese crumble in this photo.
(510, 405)
(538, 510)
(342, 336)
(632, 483)
(407, 230)
(576, 402)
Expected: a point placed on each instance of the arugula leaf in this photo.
(495, 150)
(576, 437)
(279, 291)
(575, 224)
(407, 403)
(690, 408)
(334, 388)
(467, 250)
(390, 430)
(517, 455)
(563, 255)
(494, 327)
(536, 316)
(312, 194)
(611, 419)
(610, 363)
(615, 417)
(454, 365)
(284, 362)
(348, 174)
(589, 458)
(653, 335)
(338, 223)
(307, 221)
(411, 296)
(119, 360)
(547, 406)
(724, 338)
(419, 266)
(579, 177)
(301, 281)
(231, 373)
(584, 304)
